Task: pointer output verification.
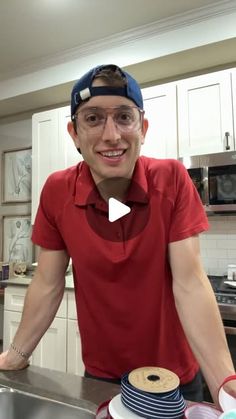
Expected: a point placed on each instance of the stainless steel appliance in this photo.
(214, 176)
(226, 299)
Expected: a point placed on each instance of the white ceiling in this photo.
(33, 30)
(37, 34)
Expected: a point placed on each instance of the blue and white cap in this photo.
(83, 88)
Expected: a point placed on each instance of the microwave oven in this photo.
(214, 176)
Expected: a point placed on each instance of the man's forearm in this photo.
(202, 324)
(40, 307)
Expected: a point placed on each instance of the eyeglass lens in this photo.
(126, 118)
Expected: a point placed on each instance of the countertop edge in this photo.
(26, 280)
(67, 388)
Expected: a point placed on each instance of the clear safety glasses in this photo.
(127, 119)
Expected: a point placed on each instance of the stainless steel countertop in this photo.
(68, 388)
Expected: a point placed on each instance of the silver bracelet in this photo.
(21, 353)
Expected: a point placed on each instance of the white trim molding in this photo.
(206, 25)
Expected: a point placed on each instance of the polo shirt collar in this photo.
(85, 189)
(138, 191)
(86, 192)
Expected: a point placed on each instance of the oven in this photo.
(228, 314)
(226, 299)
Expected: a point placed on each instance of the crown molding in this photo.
(145, 32)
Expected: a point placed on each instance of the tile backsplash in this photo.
(218, 244)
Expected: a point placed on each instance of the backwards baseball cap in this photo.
(83, 88)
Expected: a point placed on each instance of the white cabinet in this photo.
(52, 149)
(44, 354)
(160, 110)
(51, 350)
(205, 114)
(60, 347)
(45, 152)
(54, 338)
(14, 298)
(68, 154)
(233, 74)
(54, 341)
(74, 356)
(11, 323)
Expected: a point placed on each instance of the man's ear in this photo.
(71, 130)
(144, 129)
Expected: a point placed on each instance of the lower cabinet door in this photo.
(51, 350)
(11, 322)
(60, 347)
(74, 356)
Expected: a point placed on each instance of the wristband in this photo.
(226, 401)
(19, 352)
(227, 379)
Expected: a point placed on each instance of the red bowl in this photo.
(103, 411)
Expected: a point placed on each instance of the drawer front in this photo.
(15, 296)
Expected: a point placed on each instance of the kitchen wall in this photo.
(15, 133)
(218, 244)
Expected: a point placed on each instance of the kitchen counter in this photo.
(71, 389)
(67, 388)
(26, 280)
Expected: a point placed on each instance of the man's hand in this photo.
(10, 362)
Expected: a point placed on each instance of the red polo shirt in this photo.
(123, 286)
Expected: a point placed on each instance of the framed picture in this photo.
(17, 166)
(16, 240)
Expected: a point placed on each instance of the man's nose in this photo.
(110, 131)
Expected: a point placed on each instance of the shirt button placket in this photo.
(118, 235)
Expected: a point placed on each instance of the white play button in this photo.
(116, 209)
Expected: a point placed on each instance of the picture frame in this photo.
(16, 239)
(16, 175)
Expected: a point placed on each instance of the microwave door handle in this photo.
(229, 330)
(205, 186)
(227, 146)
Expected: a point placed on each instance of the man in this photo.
(141, 292)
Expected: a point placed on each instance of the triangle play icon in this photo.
(116, 209)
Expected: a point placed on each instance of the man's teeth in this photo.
(114, 153)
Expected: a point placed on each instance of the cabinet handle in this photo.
(230, 330)
(227, 146)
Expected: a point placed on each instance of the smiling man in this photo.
(108, 136)
(142, 295)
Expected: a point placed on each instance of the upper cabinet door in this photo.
(160, 110)
(45, 152)
(205, 114)
(52, 149)
(233, 75)
(68, 154)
